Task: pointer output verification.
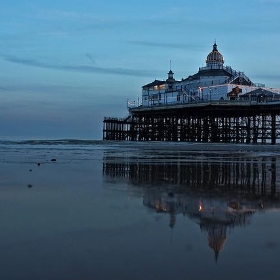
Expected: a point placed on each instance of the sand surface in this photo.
(138, 210)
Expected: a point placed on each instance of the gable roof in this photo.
(259, 91)
(154, 83)
(210, 72)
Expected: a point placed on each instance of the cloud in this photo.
(60, 15)
(270, 1)
(69, 16)
(268, 76)
(82, 68)
(89, 56)
(272, 78)
(166, 45)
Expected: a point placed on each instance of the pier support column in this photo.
(273, 129)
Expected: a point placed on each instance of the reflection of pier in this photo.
(217, 193)
(251, 176)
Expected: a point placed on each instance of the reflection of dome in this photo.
(214, 58)
(217, 239)
(216, 216)
(217, 244)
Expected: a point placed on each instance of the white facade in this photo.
(212, 82)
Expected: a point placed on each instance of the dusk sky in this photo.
(67, 64)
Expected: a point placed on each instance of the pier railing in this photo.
(204, 103)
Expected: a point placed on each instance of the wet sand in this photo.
(138, 211)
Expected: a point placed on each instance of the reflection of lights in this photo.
(233, 205)
(160, 207)
(200, 207)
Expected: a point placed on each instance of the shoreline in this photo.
(145, 145)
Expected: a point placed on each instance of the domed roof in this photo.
(214, 57)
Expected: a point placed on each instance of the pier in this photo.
(226, 121)
(216, 104)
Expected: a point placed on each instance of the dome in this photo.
(214, 58)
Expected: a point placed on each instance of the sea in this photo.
(84, 209)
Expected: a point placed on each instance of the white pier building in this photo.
(214, 81)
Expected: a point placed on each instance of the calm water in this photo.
(139, 210)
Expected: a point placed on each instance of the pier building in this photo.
(216, 104)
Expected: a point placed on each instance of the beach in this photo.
(73, 209)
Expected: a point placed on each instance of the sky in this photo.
(67, 64)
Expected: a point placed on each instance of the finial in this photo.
(215, 46)
(170, 64)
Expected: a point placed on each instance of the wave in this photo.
(146, 146)
(52, 142)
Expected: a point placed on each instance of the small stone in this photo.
(53, 159)
(30, 186)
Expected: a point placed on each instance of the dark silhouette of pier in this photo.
(225, 121)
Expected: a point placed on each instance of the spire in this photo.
(216, 257)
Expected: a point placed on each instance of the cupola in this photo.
(215, 59)
(170, 78)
